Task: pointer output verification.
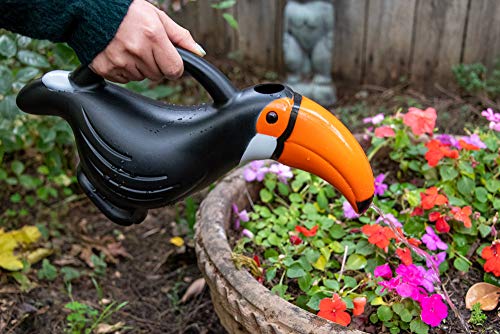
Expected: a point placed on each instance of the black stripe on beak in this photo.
(297, 100)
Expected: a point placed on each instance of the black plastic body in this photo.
(137, 153)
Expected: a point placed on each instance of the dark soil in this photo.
(152, 279)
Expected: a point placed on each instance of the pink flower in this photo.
(432, 241)
(247, 233)
(349, 212)
(255, 171)
(383, 271)
(390, 217)
(241, 216)
(384, 131)
(437, 259)
(448, 140)
(420, 121)
(380, 186)
(495, 126)
(491, 115)
(433, 310)
(283, 172)
(375, 119)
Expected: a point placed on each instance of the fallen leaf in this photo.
(177, 241)
(193, 290)
(117, 249)
(483, 293)
(38, 254)
(105, 328)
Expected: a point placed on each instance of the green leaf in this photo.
(465, 186)
(26, 74)
(492, 279)
(481, 194)
(70, 274)
(17, 167)
(48, 271)
(405, 315)
(280, 289)
(224, 4)
(265, 195)
(15, 198)
(418, 326)
(295, 271)
(493, 186)
(270, 274)
(355, 262)
(6, 79)
(337, 231)
(466, 169)
(461, 265)
(332, 284)
(448, 173)
(8, 47)
(305, 282)
(485, 230)
(322, 200)
(384, 313)
(231, 20)
(32, 59)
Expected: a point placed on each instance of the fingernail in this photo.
(201, 51)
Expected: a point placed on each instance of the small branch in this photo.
(343, 262)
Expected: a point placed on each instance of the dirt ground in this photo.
(152, 278)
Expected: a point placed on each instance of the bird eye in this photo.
(272, 117)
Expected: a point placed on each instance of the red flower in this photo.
(295, 240)
(333, 309)
(418, 211)
(359, 305)
(466, 146)
(378, 235)
(421, 121)
(492, 256)
(430, 198)
(404, 255)
(415, 242)
(384, 131)
(437, 151)
(306, 232)
(462, 215)
(441, 223)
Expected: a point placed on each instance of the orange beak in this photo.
(320, 144)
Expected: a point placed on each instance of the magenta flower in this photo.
(375, 119)
(247, 233)
(412, 277)
(390, 217)
(448, 140)
(380, 186)
(241, 216)
(282, 171)
(433, 310)
(495, 126)
(474, 139)
(255, 171)
(349, 212)
(437, 259)
(491, 115)
(383, 271)
(432, 241)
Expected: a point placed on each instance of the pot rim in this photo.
(212, 246)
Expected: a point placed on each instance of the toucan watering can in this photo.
(137, 153)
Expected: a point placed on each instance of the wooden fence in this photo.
(377, 42)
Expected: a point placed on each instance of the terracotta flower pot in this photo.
(242, 304)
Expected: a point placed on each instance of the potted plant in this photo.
(312, 262)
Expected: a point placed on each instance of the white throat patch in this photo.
(259, 148)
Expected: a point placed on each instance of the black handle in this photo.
(214, 81)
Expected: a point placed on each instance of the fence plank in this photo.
(439, 33)
(348, 47)
(258, 39)
(482, 43)
(389, 36)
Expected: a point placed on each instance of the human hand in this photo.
(143, 47)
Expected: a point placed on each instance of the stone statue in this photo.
(308, 47)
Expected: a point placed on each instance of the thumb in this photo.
(180, 36)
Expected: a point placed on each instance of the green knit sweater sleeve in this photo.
(86, 25)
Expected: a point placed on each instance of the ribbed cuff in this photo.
(98, 21)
